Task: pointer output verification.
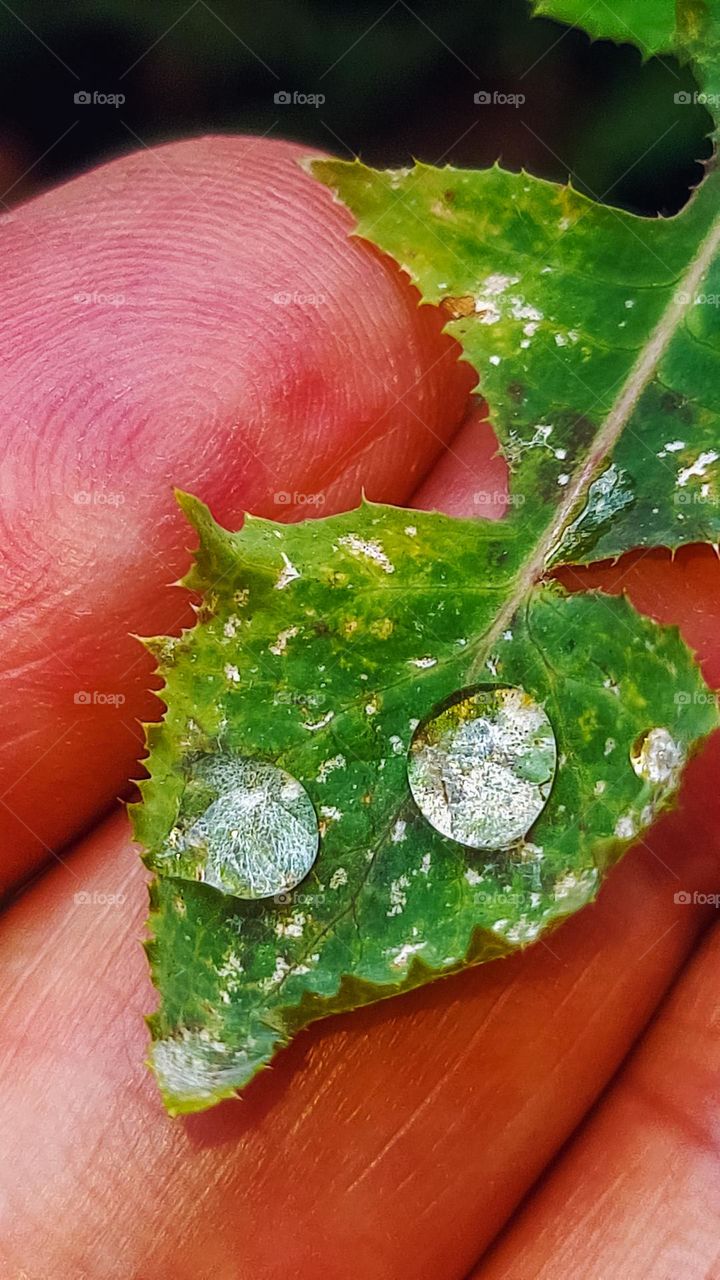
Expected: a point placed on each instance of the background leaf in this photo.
(690, 29)
(594, 335)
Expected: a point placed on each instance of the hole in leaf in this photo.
(481, 767)
(246, 828)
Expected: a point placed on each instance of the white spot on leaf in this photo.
(280, 645)
(698, 467)
(314, 725)
(288, 573)
(369, 549)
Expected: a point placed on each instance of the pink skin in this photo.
(397, 1141)
(193, 316)
(402, 1136)
(646, 1161)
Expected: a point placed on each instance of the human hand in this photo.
(397, 1141)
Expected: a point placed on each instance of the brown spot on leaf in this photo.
(676, 405)
(575, 430)
(458, 308)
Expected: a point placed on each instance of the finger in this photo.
(434, 1113)
(470, 478)
(195, 316)
(647, 1161)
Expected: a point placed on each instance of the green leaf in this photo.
(588, 336)
(596, 333)
(686, 29)
(321, 647)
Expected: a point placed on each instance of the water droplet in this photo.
(247, 828)
(481, 767)
(657, 757)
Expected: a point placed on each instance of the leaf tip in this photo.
(196, 512)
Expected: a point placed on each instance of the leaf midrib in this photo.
(638, 379)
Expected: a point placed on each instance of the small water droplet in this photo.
(481, 767)
(249, 829)
(657, 757)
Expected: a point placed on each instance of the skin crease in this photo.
(195, 316)
(396, 1141)
(403, 1135)
(646, 1161)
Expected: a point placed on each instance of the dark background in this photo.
(398, 82)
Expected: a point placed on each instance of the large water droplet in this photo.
(258, 835)
(481, 768)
